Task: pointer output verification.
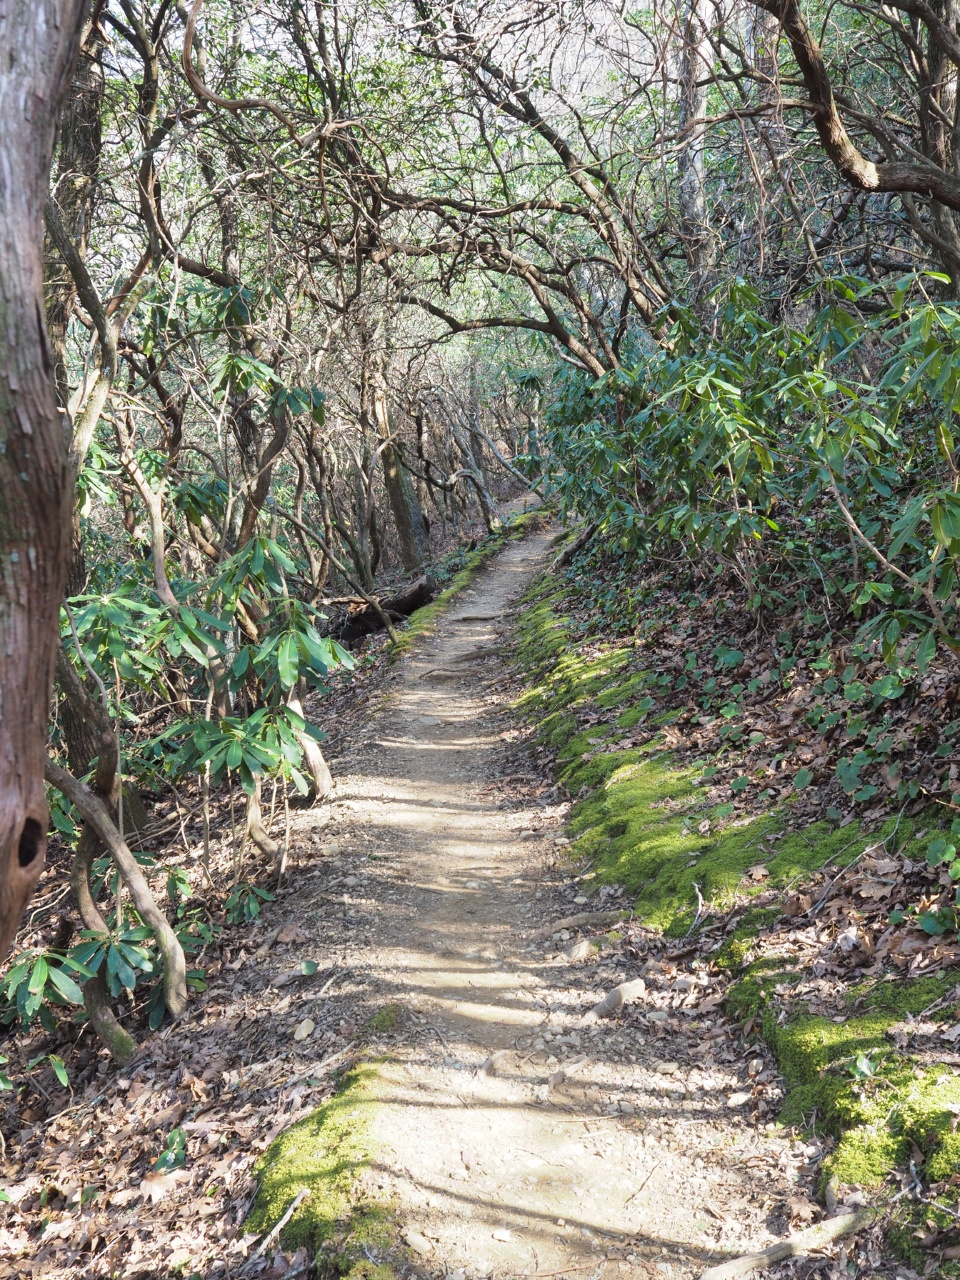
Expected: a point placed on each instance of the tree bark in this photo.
(849, 161)
(97, 815)
(696, 224)
(78, 166)
(407, 513)
(39, 41)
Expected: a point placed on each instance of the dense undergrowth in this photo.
(710, 751)
(42, 1015)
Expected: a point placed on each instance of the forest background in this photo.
(324, 283)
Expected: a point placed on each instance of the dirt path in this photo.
(514, 1141)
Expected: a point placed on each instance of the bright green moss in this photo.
(865, 1156)
(637, 820)
(904, 999)
(631, 689)
(628, 719)
(736, 948)
(847, 1078)
(325, 1154)
(368, 1233)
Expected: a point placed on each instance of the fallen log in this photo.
(572, 548)
(360, 618)
(815, 1237)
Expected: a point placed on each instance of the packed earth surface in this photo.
(509, 1130)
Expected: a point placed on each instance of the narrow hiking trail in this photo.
(512, 1140)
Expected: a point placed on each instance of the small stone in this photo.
(580, 950)
(351, 882)
(581, 900)
(668, 1068)
(738, 1099)
(501, 1233)
(417, 1241)
(658, 1015)
(495, 1063)
(305, 1029)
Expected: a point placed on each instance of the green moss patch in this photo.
(845, 1077)
(323, 1154)
(645, 820)
(368, 1234)
(385, 1019)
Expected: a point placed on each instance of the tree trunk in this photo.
(313, 761)
(78, 167)
(940, 101)
(404, 504)
(39, 41)
(696, 226)
(473, 470)
(74, 192)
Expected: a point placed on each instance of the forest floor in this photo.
(491, 1125)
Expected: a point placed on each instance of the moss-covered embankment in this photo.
(645, 819)
(316, 1169)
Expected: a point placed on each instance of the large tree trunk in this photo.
(74, 192)
(78, 167)
(39, 40)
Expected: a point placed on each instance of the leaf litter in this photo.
(88, 1192)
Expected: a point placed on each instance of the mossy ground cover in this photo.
(651, 821)
(325, 1155)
